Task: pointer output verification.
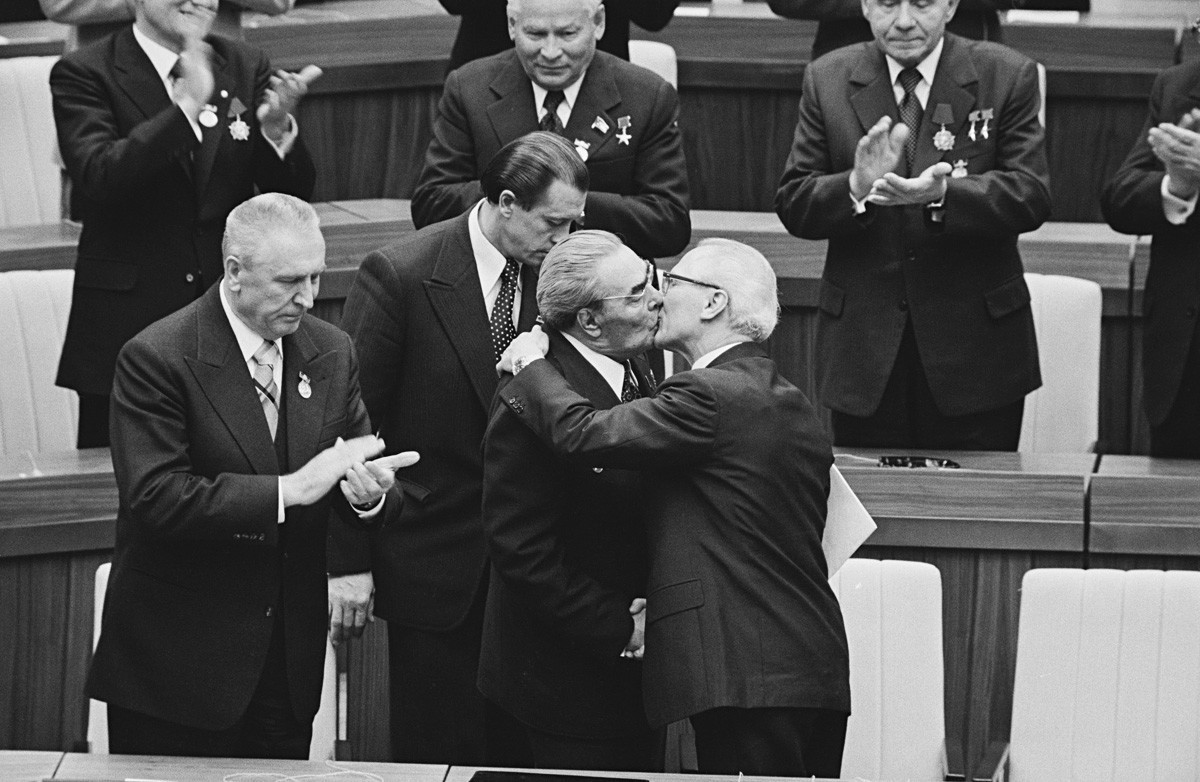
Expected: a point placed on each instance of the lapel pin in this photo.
(239, 129)
(943, 115)
(208, 115)
(960, 169)
(582, 148)
(973, 117)
(304, 387)
(985, 115)
(623, 124)
(600, 125)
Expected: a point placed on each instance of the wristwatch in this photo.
(520, 362)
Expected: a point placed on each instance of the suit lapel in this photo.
(598, 97)
(513, 113)
(221, 373)
(871, 89)
(214, 136)
(582, 376)
(305, 416)
(138, 79)
(954, 85)
(454, 293)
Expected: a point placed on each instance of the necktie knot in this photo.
(909, 79)
(629, 387)
(550, 120)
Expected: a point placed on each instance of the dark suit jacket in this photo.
(483, 30)
(201, 565)
(568, 551)
(739, 609)
(638, 190)
(961, 283)
(417, 317)
(1132, 203)
(152, 218)
(842, 22)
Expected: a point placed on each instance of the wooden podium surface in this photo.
(1142, 505)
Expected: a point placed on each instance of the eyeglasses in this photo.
(670, 278)
(641, 294)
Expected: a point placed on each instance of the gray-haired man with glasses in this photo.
(565, 616)
(743, 635)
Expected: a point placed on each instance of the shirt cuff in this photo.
(1177, 210)
(372, 512)
(289, 138)
(279, 492)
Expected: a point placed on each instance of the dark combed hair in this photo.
(529, 165)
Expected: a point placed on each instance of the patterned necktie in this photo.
(910, 112)
(264, 381)
(629, 388)
(503, 330)
(550, 120)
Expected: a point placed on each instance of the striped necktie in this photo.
(910, 112)
(264, 382)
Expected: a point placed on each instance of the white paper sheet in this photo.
(847, 523)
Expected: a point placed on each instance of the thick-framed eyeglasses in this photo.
(670, 278)
(644, 287)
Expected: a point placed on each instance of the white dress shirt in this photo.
(489, 263)
(570, 93)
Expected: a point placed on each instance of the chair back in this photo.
(1107, 680)
(657, 57)
(30, 176)
(35, 415)
(1063, 415)
(893, 615)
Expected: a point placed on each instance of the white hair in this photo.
(746, 275)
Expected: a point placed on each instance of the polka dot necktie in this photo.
(629, 388)
(550, 120)
(503, 330)
(264, 382)
(910, 112)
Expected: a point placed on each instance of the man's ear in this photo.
(507, 202)
(718, 302)
(233, 270)
(587, 321)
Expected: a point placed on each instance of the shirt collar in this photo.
(248, 340)
(927, 67)
(489, 262)
(612, 371)
(162, 58)
(570, 93)
(712, 355)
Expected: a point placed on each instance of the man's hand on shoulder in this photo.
(351, 605)
(528, 344)
(314, 480)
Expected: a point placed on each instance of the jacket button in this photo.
(269, 610)
(597, 470)
(189, 277)
(904, 305)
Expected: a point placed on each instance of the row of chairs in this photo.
(1107, 683)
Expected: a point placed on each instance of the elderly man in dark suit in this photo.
(430, 315)
(567, 543)
(1155, 192)
(743, 633)
(234, 420)
(163, 131)
(622, 120)
(920, 157)
(483, 30)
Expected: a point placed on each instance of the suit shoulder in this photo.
(324, 333)
(416, 252)
(167, 334)
(235, 50)
(997, 53)
(476, 75)
(1180, 78)
(839, 61)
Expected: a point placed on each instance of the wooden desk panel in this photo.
(19, 766)
(109, 767)
(982, 526)
(1142, 505)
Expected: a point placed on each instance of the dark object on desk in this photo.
(533, 776)
(918, 461)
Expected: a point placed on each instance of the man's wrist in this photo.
(520, 362)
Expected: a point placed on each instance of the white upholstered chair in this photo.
(893, 615)
(30, 178)
(1062, 416)
(325, 726)
(657, 57)
(35, 415)
(1107, 684)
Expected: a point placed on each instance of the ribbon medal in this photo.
(304, 387)
(943, 140)
(623, 125)
(973, 117)
(985, 115)
(238, 128)
(600, 125)
(960, 169)
(208, 115)
(582, 148)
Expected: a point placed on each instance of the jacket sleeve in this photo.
(1132, 200)
(524, 500)
(449, 183)
(295, 173)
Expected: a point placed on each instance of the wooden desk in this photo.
(114, 767)
(982, 526)
(27, 766)
(57, 502)
(32, 39)
(1146, 507)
